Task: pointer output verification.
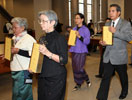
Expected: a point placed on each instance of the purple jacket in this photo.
(81, 47)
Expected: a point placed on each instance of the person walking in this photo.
(79, 51)
(115, 56)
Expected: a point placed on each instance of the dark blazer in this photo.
(56, 44)
(117, 53)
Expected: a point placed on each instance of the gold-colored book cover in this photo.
(8, 45)
(36, 59)
(107, 35)
(2, 49)
(72, 38)
(130, 42)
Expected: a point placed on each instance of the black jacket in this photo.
(56, 44)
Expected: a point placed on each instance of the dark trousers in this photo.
(78, 62)
(101, 65)
(105, 83)
(52, 88)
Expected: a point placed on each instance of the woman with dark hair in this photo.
(79, 51)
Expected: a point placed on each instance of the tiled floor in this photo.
(84, 93)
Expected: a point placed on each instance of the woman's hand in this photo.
(30, 71)
(78, 34)
(44, 50)
(2, 56)
(14, 50)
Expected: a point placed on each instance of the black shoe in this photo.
(77, 87)
(88, 83)
(88, 54)
(123, 95)
(113, 74)
(130, 64)
(98, 76)
(98, 99)
(94, 50)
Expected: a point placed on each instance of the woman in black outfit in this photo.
(52, 79)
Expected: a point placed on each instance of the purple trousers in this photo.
(78, 62)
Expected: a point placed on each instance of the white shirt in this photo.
(116, 21)
(20, 62)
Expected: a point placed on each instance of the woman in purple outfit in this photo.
(79, 51)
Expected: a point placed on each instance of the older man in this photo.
(115, 56)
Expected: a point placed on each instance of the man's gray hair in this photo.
(20, 21)
(52, 16)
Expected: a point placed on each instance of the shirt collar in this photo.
(16, 39)
(116, 21)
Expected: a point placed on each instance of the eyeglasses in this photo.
(76, 18)
(15, 27)
(42, 21)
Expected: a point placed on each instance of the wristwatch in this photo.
(50, 57)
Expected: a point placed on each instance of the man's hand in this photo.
(103, 43)
(112, 29)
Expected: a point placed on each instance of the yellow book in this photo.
(36, 59)
(1, 49)
(72, 38)
(130, 42)
(8, 45)
(107, 35)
